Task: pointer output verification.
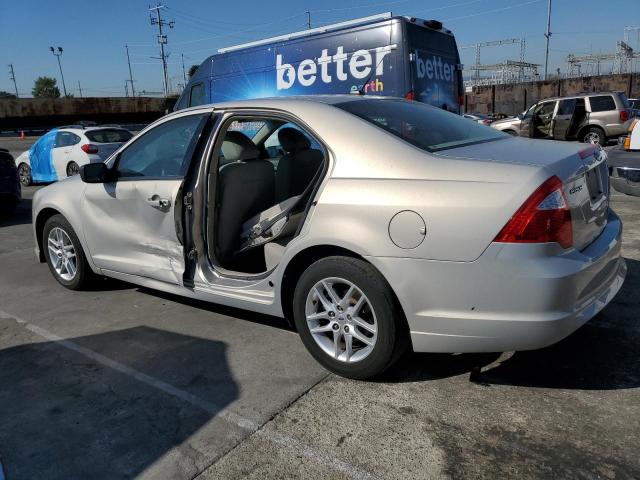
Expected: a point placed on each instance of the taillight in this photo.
(486, 121)
(461, 100)
(408, 95)
(88, 148)
(544, 217)
(624, 115)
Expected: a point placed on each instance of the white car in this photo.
(61, 152)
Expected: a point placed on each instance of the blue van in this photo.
(378, 55)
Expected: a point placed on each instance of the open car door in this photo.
(564, 119)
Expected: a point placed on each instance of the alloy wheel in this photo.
(592, 137)
(62, 254)
(341, 320)
(24, 172)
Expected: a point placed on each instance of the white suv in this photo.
(60, 152)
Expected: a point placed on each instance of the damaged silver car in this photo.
(377, 225)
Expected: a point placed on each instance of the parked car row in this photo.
(624, 162)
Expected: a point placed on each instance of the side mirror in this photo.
(94, 173)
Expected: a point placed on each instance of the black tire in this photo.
(72, 169)
(83, 275)
(392, 333)
(24, 173)
(594, 135)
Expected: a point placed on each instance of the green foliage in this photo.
(45, 87)
(192, 70)
(4, 94)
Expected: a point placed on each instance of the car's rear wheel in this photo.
(64, 254)
(594, 135)
(72, 169)
(348, 318)
(24, 173)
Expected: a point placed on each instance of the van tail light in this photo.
(88, 148)
(624, 115)
(544, 217)
(461, 100)
(409, 95)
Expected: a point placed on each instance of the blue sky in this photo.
(93, 33)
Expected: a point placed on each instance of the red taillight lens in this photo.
(486, 122)
(461, 100)
(408, 95)
(88, 148)
(624, 115)
(544, 217)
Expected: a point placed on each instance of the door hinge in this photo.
(187, 200)
(193, 254)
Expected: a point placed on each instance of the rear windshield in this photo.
(108, 135)
(424, 126)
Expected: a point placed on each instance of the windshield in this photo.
(424, 126)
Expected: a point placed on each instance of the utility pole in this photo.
(162, 40)
(80, 88)
(308, 19)
(133, 89)
(184, 75)
(126, 88)
(548, 36)
(12, 76)
(58, 54)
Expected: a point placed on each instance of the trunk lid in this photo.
(581, 168)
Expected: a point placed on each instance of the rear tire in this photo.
(24, 173)
(64, 255)
(359, 315)
(72, 169)
(594, 135)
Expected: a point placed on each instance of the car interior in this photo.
(259, 191)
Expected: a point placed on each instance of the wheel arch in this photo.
(584, 129)
(42, 217)
(303, 259)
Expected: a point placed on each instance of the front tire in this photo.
(348, 318)
(24, 173)
(64, 255)
(72, 169)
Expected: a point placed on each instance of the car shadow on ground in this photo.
(21, 216)
(66, 415)
(602, 355)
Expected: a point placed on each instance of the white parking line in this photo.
(211, 408)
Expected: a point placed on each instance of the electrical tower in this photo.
(622, 60)
(133, 89)
(504, 72)
(162, 41)
(12, 77)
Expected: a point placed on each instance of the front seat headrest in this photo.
(237, 147)
(293, 140)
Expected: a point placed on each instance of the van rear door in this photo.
(435, 67)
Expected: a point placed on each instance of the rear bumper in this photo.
(514, 297)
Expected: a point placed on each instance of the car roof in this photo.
(580, 95)
(284, 102)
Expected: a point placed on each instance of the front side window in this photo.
(429, 128)
(162, 151)
(546, 108)
(602, 103)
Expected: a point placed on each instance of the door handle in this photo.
(157, 202)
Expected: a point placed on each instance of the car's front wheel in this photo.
(24, 173)
(348, 318)
(64, 254)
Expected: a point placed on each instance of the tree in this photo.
(45, 87)
(4, 94)
(192, 70)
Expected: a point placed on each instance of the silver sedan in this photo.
(376, 225)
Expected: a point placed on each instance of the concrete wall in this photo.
(515, 98)
(50, 112)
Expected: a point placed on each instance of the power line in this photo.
(162, 41)
(509, 7)
(12, 77)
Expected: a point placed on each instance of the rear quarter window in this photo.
(108, 136)
(602, 103)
